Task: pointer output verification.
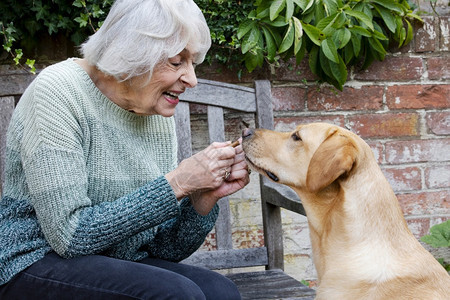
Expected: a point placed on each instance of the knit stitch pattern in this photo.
(84, 176)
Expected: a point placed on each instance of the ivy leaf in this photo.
(315, 34)
(329, 49)
(439, 235)
(275, 8)
(360, 16)
(288, 38)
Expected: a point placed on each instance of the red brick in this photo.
(418, 96)
(426, 34)
(438, 123)
(418, 226)
(438, 67)
(437, 176)
(425, 203)
(417, 151)
(288, 98)
(444, 39)
(289, 123)
(385, 125)
(404, 179)
(393, 68)
(363, 98)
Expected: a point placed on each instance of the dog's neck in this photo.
(342, 225)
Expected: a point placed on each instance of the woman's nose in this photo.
(189, 78)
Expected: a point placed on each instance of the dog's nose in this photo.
(247, 132)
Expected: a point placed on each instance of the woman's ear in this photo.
(334, 157)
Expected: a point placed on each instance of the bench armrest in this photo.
(281, 195)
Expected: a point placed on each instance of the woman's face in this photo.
(169, 80)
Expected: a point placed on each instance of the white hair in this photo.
(137, 35)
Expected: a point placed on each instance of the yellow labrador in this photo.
(362, 247)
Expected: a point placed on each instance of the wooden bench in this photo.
(218, 99)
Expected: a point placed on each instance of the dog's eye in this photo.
(296, 137)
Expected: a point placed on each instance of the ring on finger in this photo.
(226, 174)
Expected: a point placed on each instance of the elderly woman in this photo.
(94, 204)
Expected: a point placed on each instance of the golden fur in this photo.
(362, 247)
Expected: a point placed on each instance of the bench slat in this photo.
(270, 284)
(226, 259)
(224, 95)
(183, 129)
(6, 110)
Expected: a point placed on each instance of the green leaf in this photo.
(245, 27)
(253, 60)
(341, 37)
(302, 3)
(377, 46)
(360, 16)
(360, 30)
(409, 35)
(251, 40)
(339, 71)
(288, 38)
(276, 7)
(270, 44)
(439, 235)
(298, 35)
(315, 35)
(379, 35)
(289, 9)
(329, 49)
(313, 59)
(301, 53)
(414, 16)
(387, 17)
(389, 4)
(356, 43)
(309, 5)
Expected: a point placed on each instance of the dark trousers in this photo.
(100, 277)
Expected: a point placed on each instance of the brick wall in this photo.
(400, 106)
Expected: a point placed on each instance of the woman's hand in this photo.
(202, 176)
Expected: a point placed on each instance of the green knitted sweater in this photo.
(84, 176)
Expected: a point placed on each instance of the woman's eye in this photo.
(176, 64)
(296, 137)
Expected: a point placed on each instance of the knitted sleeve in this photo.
(178, 238)
(54, 163)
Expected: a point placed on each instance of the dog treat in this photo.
(235, 144)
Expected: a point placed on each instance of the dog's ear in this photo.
(334, 157)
